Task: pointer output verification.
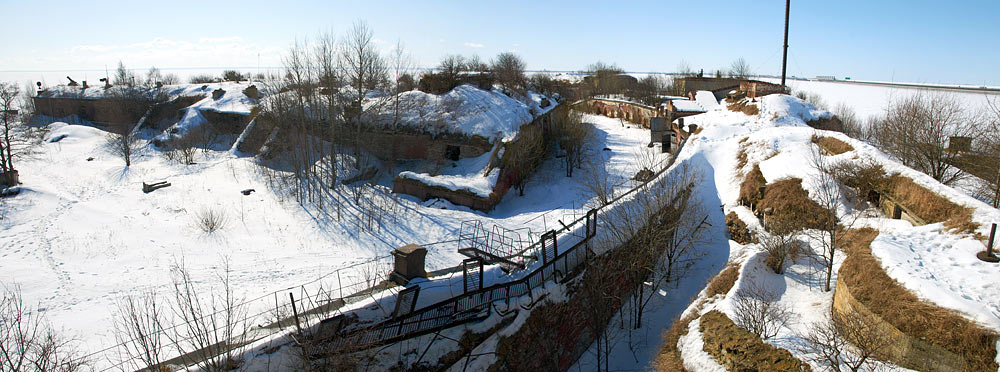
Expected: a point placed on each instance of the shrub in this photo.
(202, 79)
(757, 309)
(780, 249)
(831, 145)
(863, 176)
(741, 155)
(752, 188)
(233, 75)
(789, 209)
(739, 350)
(887, 298)
(738, 230)
(211, 220)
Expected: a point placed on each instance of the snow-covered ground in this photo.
(872, 100)
(82, 233)
(936, 264)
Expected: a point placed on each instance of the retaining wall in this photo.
(906, 351)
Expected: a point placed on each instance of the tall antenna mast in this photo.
(784, 55)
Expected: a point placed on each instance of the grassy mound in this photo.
(832, 145)
(887, 298)
(739, 350)
(791, 209)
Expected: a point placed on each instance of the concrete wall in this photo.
(400, 145)
(889, 207)
(907, 351)
(424, 192)
(101, 111)
(635, 113)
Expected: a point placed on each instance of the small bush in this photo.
(757, 309)
(831, 145)
(863, 176)
(738, 230)
(724, 281)
(233, 75)
(751, 190)
(739, 350)
(780, 250)
(882, 295)
(789, 209)
(211, 220)
(202, 79)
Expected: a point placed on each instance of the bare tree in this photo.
(122, 142)
(603, 78)
(139, 332)
(830, 232)
(9, 96)
(572, 135)
(123, 76)
(509, 70)
(400, 65)
(854, 340)
(214, 328)
(684, 69)
(596, 182)
(523, 155)
(916, 130)
(740, 69)
(757, 309)
(28, 343)
(364, 69)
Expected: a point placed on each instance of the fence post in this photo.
(277, 312)
(295, 312)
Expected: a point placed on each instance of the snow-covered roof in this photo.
(233, 101)
(465, 110)
(683, 105)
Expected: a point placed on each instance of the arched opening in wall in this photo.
(452, 152)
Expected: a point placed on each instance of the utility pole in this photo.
(784, 55)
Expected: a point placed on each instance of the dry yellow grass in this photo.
(791, 209)
(739, 350)
(929, 206)
(832, 145)
(888, 299)
(724, 281)
(750, 187)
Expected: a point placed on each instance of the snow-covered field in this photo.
(872, 100)
(82, 233)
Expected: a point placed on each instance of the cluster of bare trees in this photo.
(28, 343)
(210, 325)
(10, 126)
(916, 130)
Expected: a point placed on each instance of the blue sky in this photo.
(913, 41)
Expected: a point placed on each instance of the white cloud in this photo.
(473, 45)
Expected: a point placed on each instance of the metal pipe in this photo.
(784, 55)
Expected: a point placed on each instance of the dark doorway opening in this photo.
(452, 152)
